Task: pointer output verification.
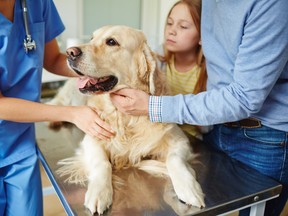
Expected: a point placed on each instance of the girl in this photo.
(183, 60)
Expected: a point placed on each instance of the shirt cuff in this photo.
(155, 108)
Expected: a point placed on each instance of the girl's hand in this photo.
(87, 119)
(131, 101)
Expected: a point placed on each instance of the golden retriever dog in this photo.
(118, 57)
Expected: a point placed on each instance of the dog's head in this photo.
(115, 58)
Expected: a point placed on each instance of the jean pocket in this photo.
(266, 135)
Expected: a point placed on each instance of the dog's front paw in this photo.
(97, 199)
(190, 193)
(171, 198)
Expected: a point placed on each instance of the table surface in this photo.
(228, 185)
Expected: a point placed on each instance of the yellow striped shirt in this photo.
(183, 83)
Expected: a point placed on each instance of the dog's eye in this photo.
(112, 42)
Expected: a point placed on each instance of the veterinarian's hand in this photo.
(88, 120)
(131, 101)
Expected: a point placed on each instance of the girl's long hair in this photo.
(195, 11)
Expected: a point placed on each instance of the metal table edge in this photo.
(65, 204)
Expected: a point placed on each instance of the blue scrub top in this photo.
(20, 73)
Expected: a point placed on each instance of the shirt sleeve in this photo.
(261, 58)
(155, 108)
(53, 23)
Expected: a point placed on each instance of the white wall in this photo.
(72, 17)
(71, 12)
(154, 13)
(149, 21)
(165, 6)
(110, 12)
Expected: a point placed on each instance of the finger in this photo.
(103, 132)
(115, 98)
(104, 128)
(125, 92)
(102, 124)
(101, 136)
(93, 133)
(115, 94)
(119, 92)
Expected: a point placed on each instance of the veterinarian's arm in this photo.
(55, 61)
(85, 118)
(131, 101)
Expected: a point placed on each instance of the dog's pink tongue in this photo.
(82, 81)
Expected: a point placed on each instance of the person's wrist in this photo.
(70, 114)
(154, 109)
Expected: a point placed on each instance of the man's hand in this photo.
(131, 101)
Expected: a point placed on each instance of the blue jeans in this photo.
(263, 149)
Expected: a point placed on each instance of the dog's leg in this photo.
(182, 175)
(99, 193)
(170, 197)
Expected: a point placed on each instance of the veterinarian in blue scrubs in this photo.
(20, 88)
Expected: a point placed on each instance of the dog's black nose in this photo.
(73, 53)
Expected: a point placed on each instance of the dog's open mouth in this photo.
(88, 85)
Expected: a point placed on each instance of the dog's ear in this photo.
(147, 67)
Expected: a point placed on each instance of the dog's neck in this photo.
(160, 84)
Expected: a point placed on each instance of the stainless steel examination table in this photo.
(227, 184)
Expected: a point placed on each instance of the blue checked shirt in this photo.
(155, 107)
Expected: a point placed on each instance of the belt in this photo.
(245, 123)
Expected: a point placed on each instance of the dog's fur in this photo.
(120, 56)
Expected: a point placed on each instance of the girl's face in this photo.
(181, 34)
